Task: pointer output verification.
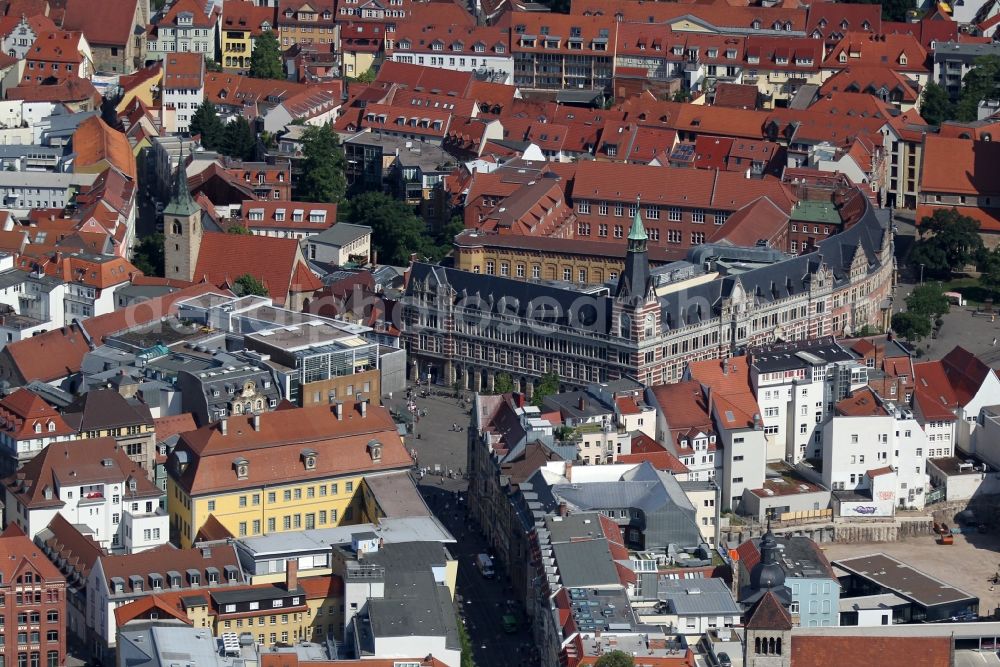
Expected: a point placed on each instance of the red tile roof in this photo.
(223, 258)
(23, 410)
(902, 52)
(720, 15)
(183, 70)
(824, 650)
(59, 46)
(862, 403)
(49, 356)
(247, 16)
(769, 614)
(683, 406)
(426, 79)
(164, 558)
(869, 79)
(199, 19)
(94, 142)
(728, 381)
(736, 96)
(78, 552)
(274, 452)
(174, 424)
(105, 23)
(18, 554)
(727, 191)
(988, 218)
(957, 166)
(81, 460)
(832, 20)
(71, 90)
(645, 449)
(142, 607)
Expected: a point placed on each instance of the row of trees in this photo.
(925, 304)
(981, 83)
(236, 138)
(547, 386)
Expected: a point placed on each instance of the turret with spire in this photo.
(181, 204)
(635, 281)
(183, 229)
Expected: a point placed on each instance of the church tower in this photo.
(182, 229)
(636, 310)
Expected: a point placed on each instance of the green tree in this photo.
(466, 643)
(681, 96)
(396, 230)
(911, 326)
(147, 256)
(247, 285)
(936, 106)
(615, 659)
(892, 10)
(206, 123)
(368, 76)
(981, 83)
(323, 178)
(239, 230)
(503, 384)
(211, 65)
(989, 269)
(265, 59)
(949, 241)
(928, 300)
(239, 139)
(548, 385)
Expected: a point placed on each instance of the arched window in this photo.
(176, 228)
(778, 645)
(770, 646)
(756, 645)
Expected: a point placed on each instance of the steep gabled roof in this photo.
(769, 614)
(105, 23)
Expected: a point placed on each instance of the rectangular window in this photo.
(674, 214)
(698, 216)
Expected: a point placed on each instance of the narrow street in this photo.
(483, 601)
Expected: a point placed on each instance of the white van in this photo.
(485, 565)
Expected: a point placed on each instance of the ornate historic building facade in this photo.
(466, 328)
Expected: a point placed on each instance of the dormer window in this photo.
(902, 59)
(38, 428)
(242, 468)
(843, 57)
(309, 459)
(375, 450)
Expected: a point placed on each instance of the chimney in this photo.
(256, 422)
(563, 509)
(223, 427)
(363, 407)
(569, 471)
(725, 366)
(583, 403)
(291, 574)
(338, 409)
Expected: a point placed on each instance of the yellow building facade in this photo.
(322, 503)
(281, 471)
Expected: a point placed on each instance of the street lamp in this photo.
(921, 274)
